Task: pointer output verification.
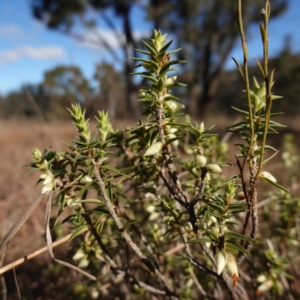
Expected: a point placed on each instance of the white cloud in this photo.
(40, 53)
(115, 40)
(11, 31)
(95, 38)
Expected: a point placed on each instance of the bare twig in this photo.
(13, 231)
(17, 285)
(126, 236)
(35, 253)
(49, 242)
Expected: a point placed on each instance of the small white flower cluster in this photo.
(49, 183)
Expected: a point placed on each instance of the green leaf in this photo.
(201, 240)
(78, 231)
(233, 235)
(260, 67)
(211, 236)
(174, 51)
(129, 223)
(240, 110)
(160, 85)
(151, 50)
(269, 158)
(114, 170)
(275, 184)
(170, 141)
(171, 97)
(85, 188)
(143, 51)
(93, 201)
(160, 56)
(238, 66)
(166, 46)
(166, 67)
(152, 78)
(235, 247)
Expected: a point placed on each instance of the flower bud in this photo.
(170, 81)
(86, 179)
(232, 267)
(200, 160)
(37, 154)
(267, 175)
(213, 168)
(221, 261)
(150, 209)
(264, 287)
(240, 196)
(215, 230)
(172, 136)
(154, 149)
(169, 129)
(201, 127)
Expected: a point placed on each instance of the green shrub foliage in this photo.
(162, 208)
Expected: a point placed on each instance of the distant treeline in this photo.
(64, 85)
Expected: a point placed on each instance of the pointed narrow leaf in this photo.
(78, 231)
(166, 46)
(200, 240)
(275, 184)
(174, 51)
(93, 201)
(235, 247)
(233, 235)
(260, 67)
(238, 66)
(143, 51)
(114, 170)
(151, 50)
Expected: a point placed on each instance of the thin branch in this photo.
(17, 285)
(36, 253)
(17, 226)
(223, 277)
(49, 242)
(166, 154)
(126, 236)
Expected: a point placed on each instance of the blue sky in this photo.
(28, 49)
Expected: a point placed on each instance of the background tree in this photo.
(65, 85)
(207, 31)
(111, 90)
(62, 15)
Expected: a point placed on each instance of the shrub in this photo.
(157, 209)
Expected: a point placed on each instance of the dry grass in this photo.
(17, 190)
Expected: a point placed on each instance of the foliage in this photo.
(205, 29)
(159, 209)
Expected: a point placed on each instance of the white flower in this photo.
(49, 183)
